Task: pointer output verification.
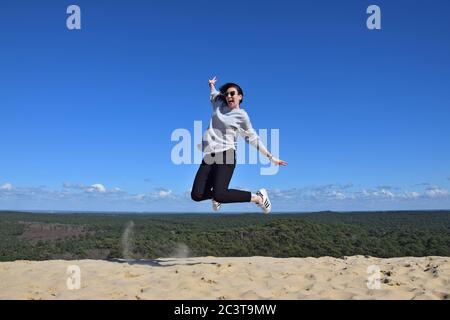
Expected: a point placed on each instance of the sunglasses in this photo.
(232, 93)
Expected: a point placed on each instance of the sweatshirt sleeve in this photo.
(247, 132)
(216, 100)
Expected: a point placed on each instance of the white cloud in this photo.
(138, 197)
(7, 186)
(96, 188)
(436, 192)
(307, 198)
(158, 194)
(338, 195)
(333, 193)
(411, 194)
(164, 193)
(161, 193)
(385, 194)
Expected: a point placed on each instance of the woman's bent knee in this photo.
(196, 196)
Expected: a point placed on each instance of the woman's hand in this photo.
(278, 161)
(212, 82)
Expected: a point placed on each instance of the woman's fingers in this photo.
(213, 80)
(281, 162)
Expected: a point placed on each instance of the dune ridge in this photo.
(355, 277)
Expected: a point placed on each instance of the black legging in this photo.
(213, 177)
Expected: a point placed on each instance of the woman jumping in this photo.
(219, 146)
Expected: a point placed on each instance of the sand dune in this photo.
(231, 278)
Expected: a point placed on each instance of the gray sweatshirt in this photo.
(225, 125)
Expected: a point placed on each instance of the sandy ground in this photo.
(356, 277)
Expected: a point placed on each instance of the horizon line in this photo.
(207, 212)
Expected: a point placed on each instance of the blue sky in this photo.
(87, 115)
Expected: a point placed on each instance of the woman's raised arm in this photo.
(214, 97)
(212, 85)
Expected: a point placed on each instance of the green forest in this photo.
(43, 236)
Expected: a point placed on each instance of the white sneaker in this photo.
(216, 205)
(266, 205)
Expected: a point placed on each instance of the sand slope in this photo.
(230, 278)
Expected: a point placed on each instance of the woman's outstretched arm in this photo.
(262, 148)
(252, 138)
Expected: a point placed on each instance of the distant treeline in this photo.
(33, 236)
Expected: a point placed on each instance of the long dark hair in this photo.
(223, 89)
